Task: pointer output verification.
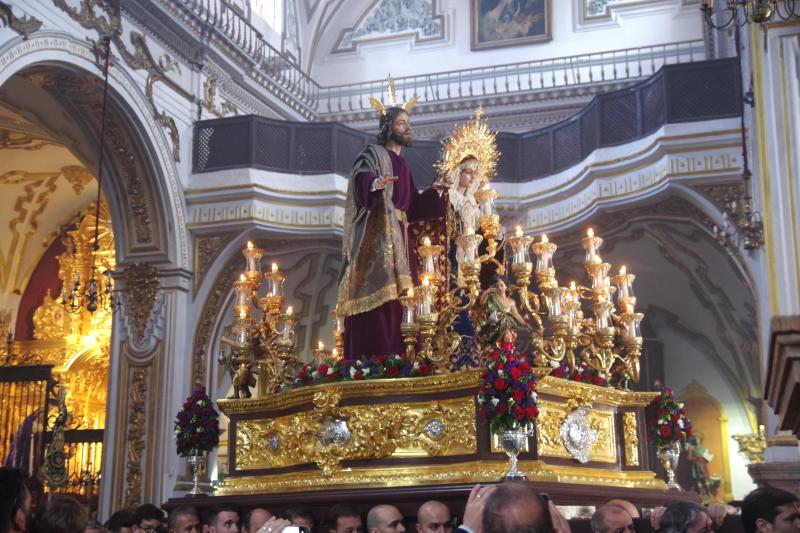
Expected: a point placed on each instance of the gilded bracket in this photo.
(23, 25)
(142, 284)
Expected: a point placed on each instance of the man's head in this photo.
(685, 517)
(395, 127)
(147, 518)
(345, 519)
(612, 518)
(385, 519)
(516, 506)
(253, 519)
(121, 522)
(62, 514)
(771, 510)
(15, 501)
(433, 516)
(625, 504)
(184, 520)
(300, 516)
(223, 520)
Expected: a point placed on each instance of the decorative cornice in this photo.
(24, 25)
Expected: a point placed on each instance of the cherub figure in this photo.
(500, 319)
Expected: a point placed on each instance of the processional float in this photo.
(328, 425)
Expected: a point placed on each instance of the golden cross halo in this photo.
(381, 108)
(473, 139)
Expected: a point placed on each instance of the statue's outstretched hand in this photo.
(380, 183)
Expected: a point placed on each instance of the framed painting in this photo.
(509, 22)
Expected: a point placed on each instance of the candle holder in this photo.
(429, 254)
(253, 256)
(243, 289)
(591, 244)
(408, 326)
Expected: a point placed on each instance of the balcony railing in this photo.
(599, 67)
(282, 76)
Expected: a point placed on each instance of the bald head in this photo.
(628, 506)
(385, 519)
(432, 516)
(516, 506)
(256, 518)
(611, 518)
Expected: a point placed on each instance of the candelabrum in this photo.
(430, 310)
(264, 345)
(610, 341)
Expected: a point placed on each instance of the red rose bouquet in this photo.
(666, 419)
(197, 425)
(507, 397)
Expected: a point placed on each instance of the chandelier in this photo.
(742, 225)
(737, 13)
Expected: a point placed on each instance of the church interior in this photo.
(189, 243)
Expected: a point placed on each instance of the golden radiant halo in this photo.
(381, 108)
(473, 139)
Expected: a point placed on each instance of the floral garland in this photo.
(582, 374)
(374, 367)
(197, 425)
(666, 419)
(507, 396)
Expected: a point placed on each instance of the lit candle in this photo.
(590, 249)
(426, 242)
(289, 311)
(408, 307)
(335, 354)
(249, 245)
(320, 346)
(242, 290)
(518, 232)
(425, 307)
(242, 314)
(623, 283)
(274, 268)
(470, 230)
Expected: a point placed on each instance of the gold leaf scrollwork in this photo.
(368, 432)
(22, 25)
(631, 439)
(142, 283)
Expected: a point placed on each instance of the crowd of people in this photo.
(509, 507)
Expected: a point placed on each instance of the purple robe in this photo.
(377, 332)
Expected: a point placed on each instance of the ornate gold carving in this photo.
(604, 395)
(135, 435)
(752, 446)
(631, 439)
(50, 320)
(206, 250)
(468, 472)
(142, 284)
(79, 177)
(169, 123)
(375, 431)
(210, 97)
(22, 25)
(548, 432)
(14, 140)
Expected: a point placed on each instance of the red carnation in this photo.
(323, 369)
(526, 368)
(330, 377)
(532, 411)
(516, 373)
(665, 430)
(392, 371)
(358, 376)
(519, 412)
(518, 395)
(598, 380)
(500, 384)
(501, 408)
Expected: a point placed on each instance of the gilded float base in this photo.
(469, 472)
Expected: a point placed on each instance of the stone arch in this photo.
(147, 207)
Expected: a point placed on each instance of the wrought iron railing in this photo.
(24, 395)
(83, 451)
(280, 74)
(598, 67)
(275, 71)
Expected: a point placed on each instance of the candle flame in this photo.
(425, 281)
(241, 278)
(544, 238)
(274, 267)
(572, 286)
(470, 231)
(426, 242)
(623, 270)
(242, 313)
(518, 232)
(249, 245)
(320, 346)
(289, 311)
(335, 353)
(410, 293)
(590, 233)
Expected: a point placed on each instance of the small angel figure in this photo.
(501, 318)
